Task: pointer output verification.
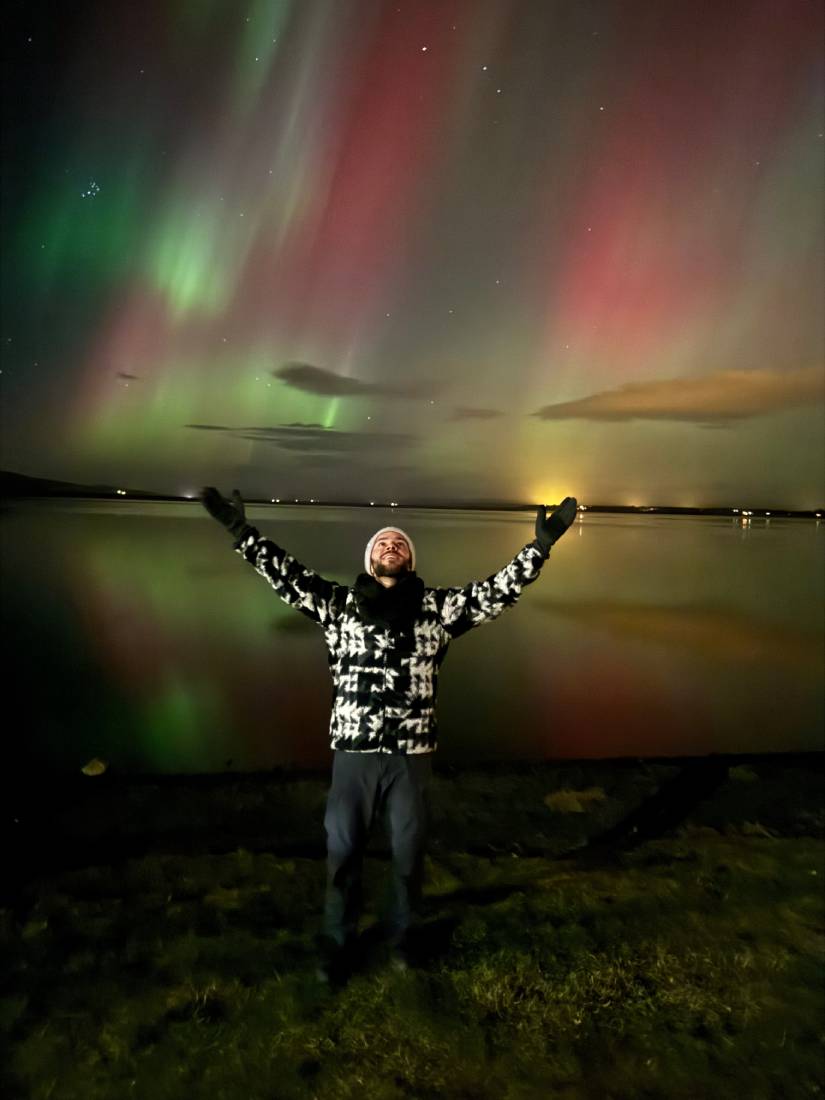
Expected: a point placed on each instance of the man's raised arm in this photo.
(461, 609)
(302, 588)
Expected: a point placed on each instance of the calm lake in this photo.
(134, 633)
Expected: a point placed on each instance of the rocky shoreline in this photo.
(557, 809)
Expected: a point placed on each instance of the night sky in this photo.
(465, 249)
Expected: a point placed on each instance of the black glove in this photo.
(550, 530)
(228, 512)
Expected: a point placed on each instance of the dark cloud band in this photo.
(314, 438)
(326, 383)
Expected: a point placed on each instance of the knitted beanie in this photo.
(374, 539)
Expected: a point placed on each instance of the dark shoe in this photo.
(330, 971)
(400, 956)
(399, 960)
(336, 964)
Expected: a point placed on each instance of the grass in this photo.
(687, 967)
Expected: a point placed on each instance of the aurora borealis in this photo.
(418, 250)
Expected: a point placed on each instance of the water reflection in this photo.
(713, 632)
(137, 636)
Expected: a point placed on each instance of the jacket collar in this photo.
(398, 606)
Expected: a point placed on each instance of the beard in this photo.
(390, 567)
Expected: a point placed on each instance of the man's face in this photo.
(390, 555)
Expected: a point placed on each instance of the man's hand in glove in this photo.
(228, 512)
(550, 530)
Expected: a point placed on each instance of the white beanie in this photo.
(374, 539)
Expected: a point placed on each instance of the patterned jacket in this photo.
(385, 680)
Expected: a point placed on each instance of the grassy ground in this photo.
(685, 966)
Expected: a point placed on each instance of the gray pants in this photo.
(365, 784)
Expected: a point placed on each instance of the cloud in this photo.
(464, 412)
(713, 400)
(314, 438)
(326, 383)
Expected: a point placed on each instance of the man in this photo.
(387, 636)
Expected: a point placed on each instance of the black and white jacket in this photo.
(385, 679)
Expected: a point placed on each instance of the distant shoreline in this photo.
(21, 487)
